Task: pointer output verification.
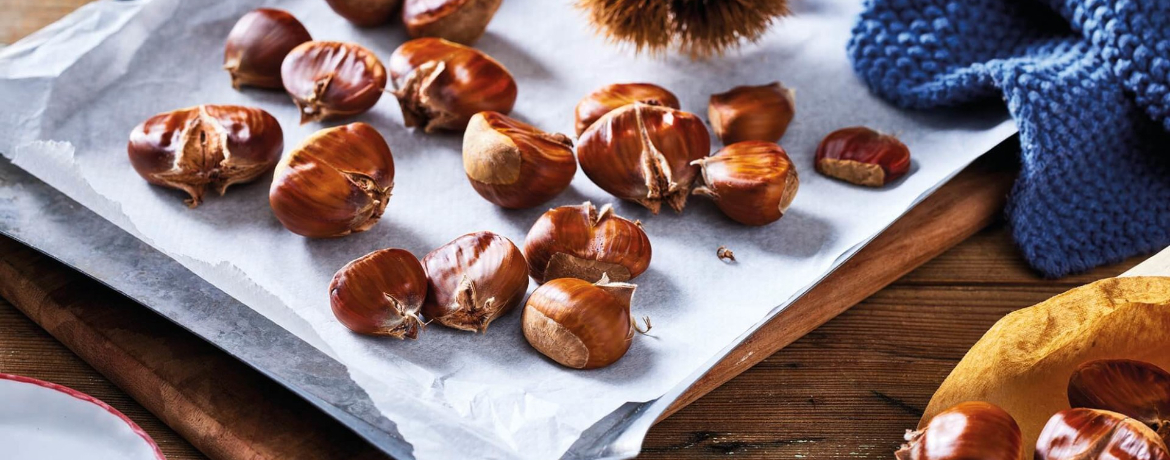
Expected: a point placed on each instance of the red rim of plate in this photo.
(92, 400)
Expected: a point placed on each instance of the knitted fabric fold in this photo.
(1088, 83)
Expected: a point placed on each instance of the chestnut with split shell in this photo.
(514, 164)
(1092, 434)
(332, 79)
(970, 430)
(336, 182)
(580, 324)
(1136, 389)
(365, 13)
(752, 182)
(380, 293)
(473, 280)
(258, 44)
(862, 156)
(460, 21)
(441, 84)
(583, 242)
(205, 146)
(609, 97)
(752, 113)
(643, 153)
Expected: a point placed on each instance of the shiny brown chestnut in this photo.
(580, 324)
(514, 164)
(969, 431)
(1093, 434)
(609, 97)
(473, 280)
(752, 182)
(334, 183)
(332, 79)
(441, 84)
(365, 13)
(643, 153)
(862, 156)
(1136, 389)
(257, 45)
(752, 113)
(205, 146)
(460, 21)
(582, 242)
(380, 293)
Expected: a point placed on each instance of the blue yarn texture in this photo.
(1088, 83)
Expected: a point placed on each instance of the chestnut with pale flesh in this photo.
(332, 79)
(579, 324)
(258, 44)
(609, 97)
(862, 156)
(380, 293)
(514, 164)
(460, 21)
(473, 280)
(205, 146)
(972, 430)
(583, 242)
(752, 182)
(441, 84)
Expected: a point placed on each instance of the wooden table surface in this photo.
(849, 389)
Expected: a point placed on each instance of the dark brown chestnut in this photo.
(514, 164)
(598, 103)
(460, 21)
(380, 293)
(442, 84)
(258, 44)
(332, 79)
(473, 280)
(582, 242)
(752, 182)
(1092, 434)
(972, 430)
(365, 13)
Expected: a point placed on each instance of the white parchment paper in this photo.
(72, 93)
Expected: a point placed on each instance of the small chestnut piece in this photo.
(862, 156)
(514, 164)
(580, 324)
(1093, 434)
(257, 45)
(473, 280)
(752, 182)
(205, 146)
(441, 84)
(460, 21)
(752, 113)
(1136, 389)
(332, 79)
(582, 242)
(643, 153)
(380, 293)
(609, 97)
(365, 13)
(968, 431)
(335, 183)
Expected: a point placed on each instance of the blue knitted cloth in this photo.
(1088, 83)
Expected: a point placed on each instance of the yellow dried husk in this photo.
(1024, 361)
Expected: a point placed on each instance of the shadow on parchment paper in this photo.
(522, 65)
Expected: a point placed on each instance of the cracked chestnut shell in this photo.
(332, 79)
(582, 242)
(862, 156)
(643, 153)
(380, 293)
(205, 146)
(473, 280)
(514, 164)
(752, 182)
(968, 431)
(365, 13)
(441, 84)
(258, 44)
(1136, 389)
(609, 97)
(335, 183)
(460, 21)
(1092, 434)
(580, 324)
(752, 113)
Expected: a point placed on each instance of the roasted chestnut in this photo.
(380, 293)
(442, 84)
(579, 324)
(752, 113)
(257, 45)
(365, 13)
(582, 242)
(752, 182)
(205, 146)
(1091, 434)
(335, 183)
(332, 79)
(862, 156)
(643, 153)
(973, 430)
(609, 97)
(514, 164)
(460, 21)
(474, 280)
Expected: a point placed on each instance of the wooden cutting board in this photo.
(230, 411)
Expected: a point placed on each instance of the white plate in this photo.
(42, 420)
